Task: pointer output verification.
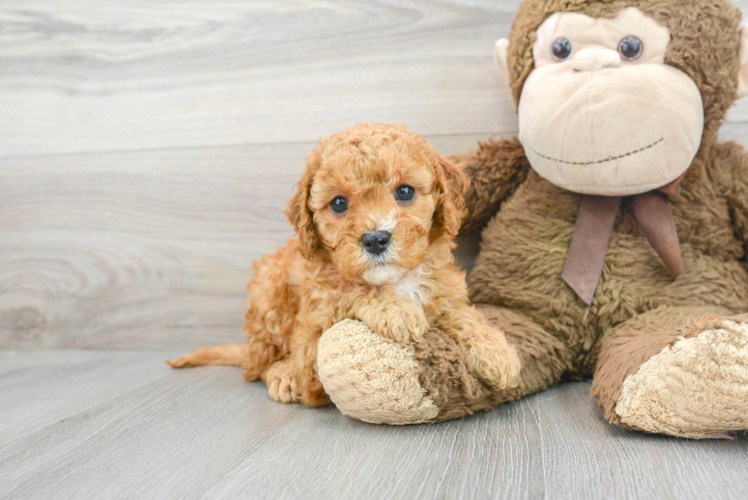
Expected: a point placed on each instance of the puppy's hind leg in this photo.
(273, 305)
(225, 354)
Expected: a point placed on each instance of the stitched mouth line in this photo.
(612, 158)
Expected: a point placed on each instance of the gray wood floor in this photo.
(147, 149)
(121, 424)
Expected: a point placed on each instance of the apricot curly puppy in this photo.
(375, 214)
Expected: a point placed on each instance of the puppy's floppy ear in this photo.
(451, 186)
(300, 214)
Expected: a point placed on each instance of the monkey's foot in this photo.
(697, 387)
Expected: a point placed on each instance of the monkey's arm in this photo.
(495, 169)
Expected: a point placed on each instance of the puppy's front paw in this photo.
(496, 363)
(421, 325)
(281, 384)
(403, 326)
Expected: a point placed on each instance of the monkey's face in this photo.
(602, 113)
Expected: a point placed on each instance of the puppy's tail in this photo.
(225, 354)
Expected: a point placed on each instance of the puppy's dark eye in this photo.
(631, 48)
(561, 49)
(405, 193)
(339, 205)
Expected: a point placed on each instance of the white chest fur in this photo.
(412, 286)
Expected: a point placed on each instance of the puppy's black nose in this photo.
(376, 242)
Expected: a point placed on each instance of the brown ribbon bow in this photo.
(594, 226)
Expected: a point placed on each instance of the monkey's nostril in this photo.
(376, 242)
(595, 59)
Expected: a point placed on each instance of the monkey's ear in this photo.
(500, 55)
(300, 214)
(743, 75)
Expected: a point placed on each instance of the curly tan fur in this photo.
(324, 275)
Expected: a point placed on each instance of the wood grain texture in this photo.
(593, 459)
(488, 456)
(105, 75)
(203, 433)
(133, 249)
(148, 147)
(108, 75)
(43, 387)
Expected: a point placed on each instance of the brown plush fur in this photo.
(638, 309)
(325, 276)
(448, 382)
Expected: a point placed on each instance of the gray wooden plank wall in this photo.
(147, 147)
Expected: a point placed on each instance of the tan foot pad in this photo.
(696, 388)
(371, 378)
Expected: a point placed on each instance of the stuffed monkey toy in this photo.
(614, 229)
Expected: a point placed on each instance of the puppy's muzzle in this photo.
(376, 242)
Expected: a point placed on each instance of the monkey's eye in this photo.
(404, 193)
(631, 48)
(561, 49)
(339, 205)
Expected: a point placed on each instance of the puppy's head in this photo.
(374, 198)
